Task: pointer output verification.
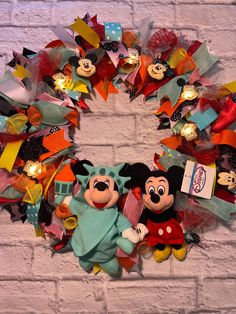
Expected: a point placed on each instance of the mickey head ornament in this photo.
(84, 66)
(159, 70)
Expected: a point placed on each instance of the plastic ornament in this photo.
(189, 92)
(188, 131)
(33, 168)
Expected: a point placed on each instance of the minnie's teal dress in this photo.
(97, 236)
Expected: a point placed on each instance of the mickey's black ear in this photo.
(78, 167)
(170, 73)
(78, 40)
(92, 57)
(138, 173)
(175, 176)
(158, 60)
(74, 61)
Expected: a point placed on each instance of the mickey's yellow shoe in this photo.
(181, 253)
(162, 255)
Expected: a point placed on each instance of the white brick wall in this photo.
(33, 282)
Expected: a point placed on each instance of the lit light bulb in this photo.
(188, 131)
(189, 92)
(32, 168)
(133, 55)
(60, 80)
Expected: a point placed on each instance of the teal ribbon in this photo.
(172, 90)
(11, 193)
(173, 158)
(65, 152)
(52, 114)
(32, 213)
(204, 59)
(215, 205)
(113, 31)
(65, 56)
(168, 161)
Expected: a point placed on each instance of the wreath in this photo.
(111, 217)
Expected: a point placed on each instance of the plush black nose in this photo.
(86, 66)
(101, 186)
(155, 198)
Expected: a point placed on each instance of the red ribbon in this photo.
(227, 116)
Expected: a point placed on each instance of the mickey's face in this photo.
(86, 68)
(102, 192)
(157, 197)
(157, 71)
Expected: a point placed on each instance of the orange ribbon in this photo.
(226, 137)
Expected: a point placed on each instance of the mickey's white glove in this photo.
(141, 231)
(131, 235)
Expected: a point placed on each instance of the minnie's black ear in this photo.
(126, 47)
(138, 172)
(175, 178)
(139, 48)
(78, 167)
(49, 80)
(92, 57)
(74, 61)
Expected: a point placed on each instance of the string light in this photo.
(189, 92)
(33, 168)
(61, 80)
(188, 131)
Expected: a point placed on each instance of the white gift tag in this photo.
(198, 179)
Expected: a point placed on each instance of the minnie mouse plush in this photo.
(101, 228)
(164, 233)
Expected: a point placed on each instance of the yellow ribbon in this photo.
(231, 86)
(9, 155)
(176, 57)
(33, 193)
(86, 32)
(16, 122)
(21, 72)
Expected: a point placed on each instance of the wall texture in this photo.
(31, 281)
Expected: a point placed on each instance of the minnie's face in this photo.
(157, 197)
(133, 55)
(102, 192)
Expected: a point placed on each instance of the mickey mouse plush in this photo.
(101, 228)
(164, 233)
